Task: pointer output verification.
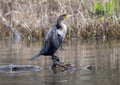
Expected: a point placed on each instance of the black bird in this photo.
(54, 39)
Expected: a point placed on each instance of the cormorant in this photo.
(53, 40)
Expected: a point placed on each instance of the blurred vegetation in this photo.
(107, 8)
(32, 18)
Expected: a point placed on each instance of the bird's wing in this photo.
(56, 39)
(49, 38)
(48, 34)
(53, 36)
(52, 40)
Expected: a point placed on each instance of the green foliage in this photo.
(98, 8)
(110, 8)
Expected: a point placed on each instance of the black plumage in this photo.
(53, 39)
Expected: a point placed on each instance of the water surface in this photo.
(104, 57)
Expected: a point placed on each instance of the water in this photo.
(104, 57)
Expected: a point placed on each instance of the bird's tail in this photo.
(35, 56)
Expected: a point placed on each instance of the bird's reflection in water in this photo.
(57, 76)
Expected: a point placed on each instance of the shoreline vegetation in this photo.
(30, 19)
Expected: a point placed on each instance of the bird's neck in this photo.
(59, 24)
(62, 30)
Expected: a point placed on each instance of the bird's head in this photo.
(63, 16)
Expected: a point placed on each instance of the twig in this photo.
(16, 34)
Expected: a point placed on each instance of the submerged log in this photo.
(18, 68)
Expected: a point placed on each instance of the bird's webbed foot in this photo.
(56, 62)
(58, 66)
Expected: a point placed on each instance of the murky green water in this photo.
(103, 56)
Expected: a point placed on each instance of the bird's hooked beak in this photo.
(67, 16)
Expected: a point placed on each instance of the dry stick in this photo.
(17, 36)
(4, 21)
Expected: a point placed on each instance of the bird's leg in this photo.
(56, 62)
(54, 59)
